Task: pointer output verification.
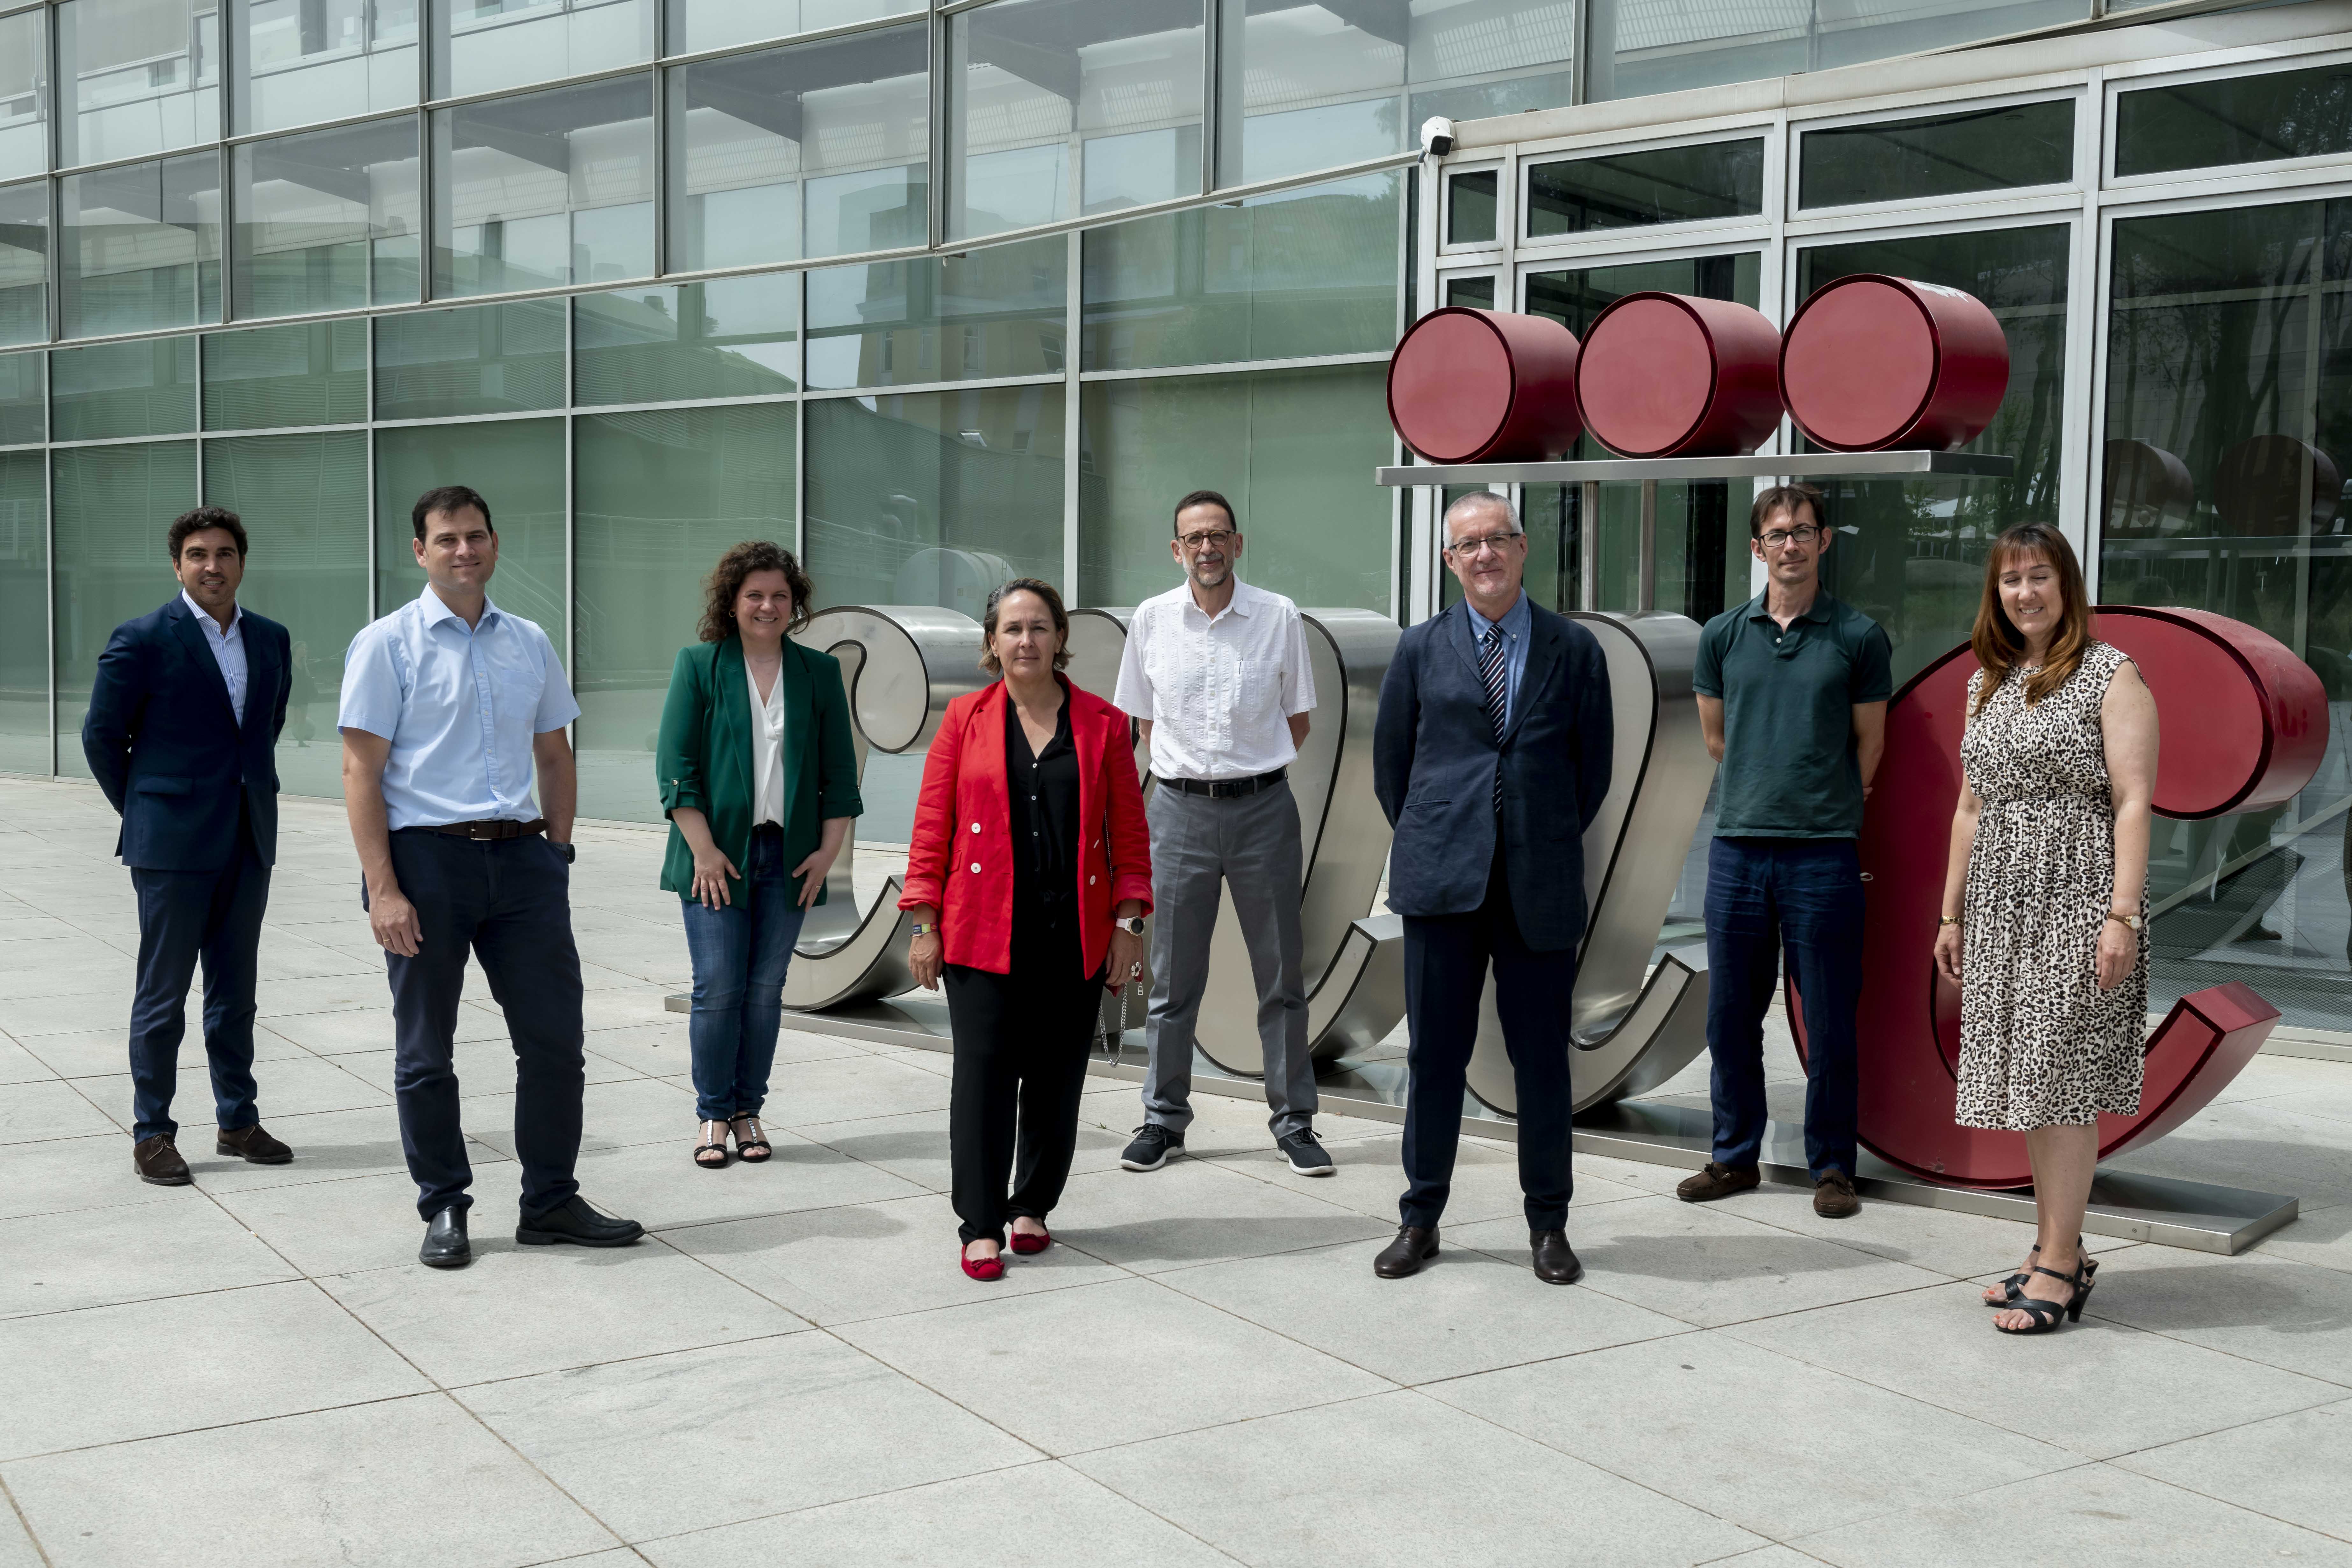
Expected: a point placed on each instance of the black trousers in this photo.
(185, 916)
(1021, 1043)
(1446, 962)
(509, 902)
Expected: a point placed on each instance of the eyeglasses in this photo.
(1803, 534)
(1471, 549)
(1211, 539)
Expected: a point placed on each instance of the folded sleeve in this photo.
(1132, 695)
(1297, 667)
(556, 707)
(927, 845)
(1129, 835)
(373, 685)
(836, 748)
(678, 747)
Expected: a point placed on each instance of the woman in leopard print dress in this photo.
(2046, 895)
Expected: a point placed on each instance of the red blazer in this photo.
(960, 857)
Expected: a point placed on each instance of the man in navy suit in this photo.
(1491, 757)
(183, 719)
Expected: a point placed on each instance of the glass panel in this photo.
(1640, 47)
(302, 498)
(25, 263)
(302, 61)
(545, 188)
(146, 77)
(24, 402)
(1041, 86)
(518, 466)
(659, 498)
(113, 506)
(734, 337)
(1293, 449)
(697, 25)
(1002, 310)
(1470, 207)
(2235, 120)
(1848, 31)
(146, 388)
(485, 359)
(24, 614)
(24, 95)
(1910, 553)
(934, 497)
(273, 378)
(142, 246)
(1300, 272)
(1308, 85)
(1980, 150)
(1475, 293)
(2228, 432)
(327, 221)
(743, 130)
(1472, 58)
(480, 46)
(1666, 184)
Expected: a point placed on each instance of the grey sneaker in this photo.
(1152, 1145)
(1307, 1156)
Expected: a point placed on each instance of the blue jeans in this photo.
(1765, 896)
(741, 952)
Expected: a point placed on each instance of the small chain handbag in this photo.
(1116, 1017)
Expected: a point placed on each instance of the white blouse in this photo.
(767, 749)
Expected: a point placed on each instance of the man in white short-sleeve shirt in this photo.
(1218, 673)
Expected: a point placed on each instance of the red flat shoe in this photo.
(1028, 1245)
(984, 1268)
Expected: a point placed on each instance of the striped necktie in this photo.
(1494, 667)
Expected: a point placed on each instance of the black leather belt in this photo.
(1225, 789)
(489, 831)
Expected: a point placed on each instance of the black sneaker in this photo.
(1307, 1156)
(1153, 1143)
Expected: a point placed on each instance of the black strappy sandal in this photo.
(2014, 1286)
(719, 1148)
(2048, 1315)
(754, 1148)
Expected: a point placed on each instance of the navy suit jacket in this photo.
(164, 743)
(1435, 759)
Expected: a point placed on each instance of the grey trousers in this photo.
(1198, 844)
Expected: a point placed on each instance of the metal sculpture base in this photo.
(2192, 1214)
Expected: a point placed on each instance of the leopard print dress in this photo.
(2041, 1045)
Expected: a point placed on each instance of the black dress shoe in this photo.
(1555, 1261)
(1414, 1245)
(445, 1246)
(575, 1222)
(157, 1161)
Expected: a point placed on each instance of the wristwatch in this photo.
(570, 852)
(1132, 925)
(2131, 923)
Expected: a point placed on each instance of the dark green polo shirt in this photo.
(1789, 765)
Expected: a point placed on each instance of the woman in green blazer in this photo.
(759, 779)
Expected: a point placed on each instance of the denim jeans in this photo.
(741, 952)
(1766, 897)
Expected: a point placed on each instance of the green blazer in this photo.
(704, 756)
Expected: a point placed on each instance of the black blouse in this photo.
(1044, 787)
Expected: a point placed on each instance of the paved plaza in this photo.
(791, 1369)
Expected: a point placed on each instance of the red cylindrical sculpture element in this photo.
(1871, 362)
(1668, 375)
(1485, 386)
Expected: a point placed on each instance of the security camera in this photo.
(1436, 136)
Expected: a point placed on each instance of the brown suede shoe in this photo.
(1717, 1182)
(1833, 1197)
(252, 1145)
(158, 1162)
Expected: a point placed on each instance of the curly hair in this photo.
(726, 581)
(1053, 601)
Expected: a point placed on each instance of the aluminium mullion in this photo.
(1073, 412)
(937, 141)
(50, 567)
(367, 408)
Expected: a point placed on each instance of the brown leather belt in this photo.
(488, 832)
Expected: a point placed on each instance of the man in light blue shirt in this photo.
(450, 707)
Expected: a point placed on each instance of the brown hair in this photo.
(1788, 498)
(726, 581)
(988, 659)
(1999, 646)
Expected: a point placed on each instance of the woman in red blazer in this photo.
(1029, 875)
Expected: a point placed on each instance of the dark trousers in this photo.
(509, 903)
(1765, 897)
(185, 916)
(1021, 1042)
(1446, 962)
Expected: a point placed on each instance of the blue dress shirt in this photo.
(228, 649)
(460, 707)
(1516, 623)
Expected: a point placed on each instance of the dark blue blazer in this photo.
(1434, 759)
(164, 741)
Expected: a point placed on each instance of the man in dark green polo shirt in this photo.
(1792, 689)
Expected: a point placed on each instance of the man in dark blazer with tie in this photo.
(182, 721)
(1491, 757)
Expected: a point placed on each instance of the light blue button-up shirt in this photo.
(1516, 623)
(228, 649)
(460, 707)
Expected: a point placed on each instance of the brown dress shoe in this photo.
(1413, 1247)
(1833, 1197)
(158, 1162)
(251, 1143)
(1554, 1260)
(1716, 1180)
